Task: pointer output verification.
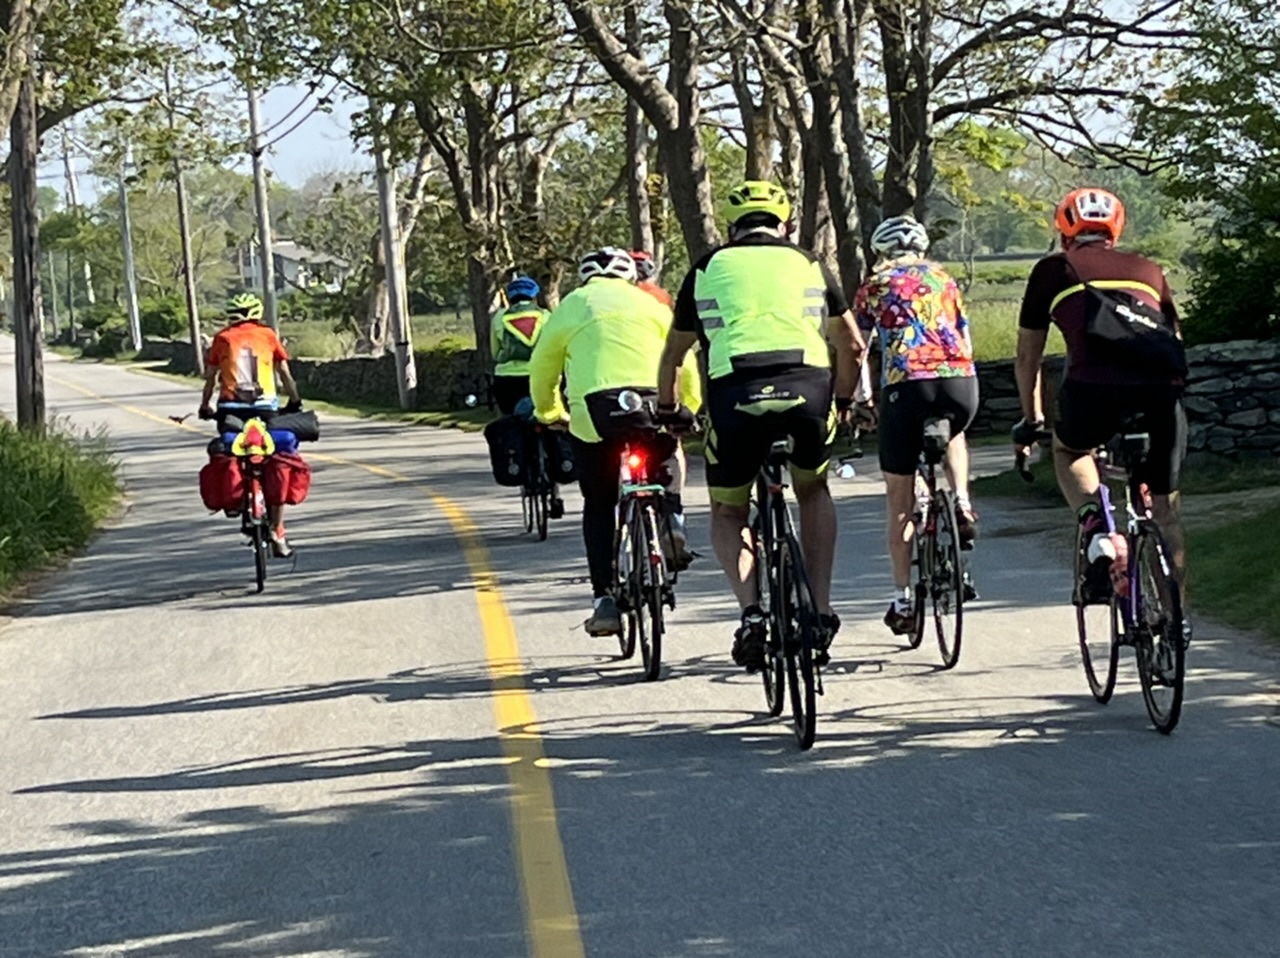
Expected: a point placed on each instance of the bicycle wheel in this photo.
(1162, 657)
(774, 673)
(1099, 627)
(946, 582)
(651, 578)
(801, 617)
(260, 547)
(526, 507)
(541, 504)
(622, 585)
(923, 565)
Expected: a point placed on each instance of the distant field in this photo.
(317, 340)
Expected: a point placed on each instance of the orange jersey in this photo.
(657, 292)
(245, 355)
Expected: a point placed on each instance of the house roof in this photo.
(288, 249)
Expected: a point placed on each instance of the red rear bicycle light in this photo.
(635, 460)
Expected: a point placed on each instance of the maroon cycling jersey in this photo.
(1055, 294)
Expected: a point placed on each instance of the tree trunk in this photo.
(639, 211)
(672, 110)
(377, 301)
(828, 141)
(849, 25)
(903, 77)
(28, 357)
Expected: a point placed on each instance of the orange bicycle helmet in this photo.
(1090, 210)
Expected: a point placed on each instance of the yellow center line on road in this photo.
(551, 919)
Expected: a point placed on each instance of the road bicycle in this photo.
(644, 583)
(537, 490)
(795, 648)
(1142, 607)
(941, 580)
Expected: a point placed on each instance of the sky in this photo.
(321, 143)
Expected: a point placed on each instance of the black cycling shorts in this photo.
(905, 406)
(749, 411)
(1090, 414)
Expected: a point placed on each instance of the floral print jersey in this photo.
(915, 310)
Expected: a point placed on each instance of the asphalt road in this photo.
(408, 746)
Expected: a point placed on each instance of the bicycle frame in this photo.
(1135, 496)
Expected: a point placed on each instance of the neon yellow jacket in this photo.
(513, 332)
(605, 335)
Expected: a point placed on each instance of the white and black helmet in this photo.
(898, 235)
(608, 261)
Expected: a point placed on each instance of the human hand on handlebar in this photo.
(292, 406)
(677, 420)
(1024, 436)
(206, 412)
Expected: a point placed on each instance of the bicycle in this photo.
(791, 656)
(1144, 608)
(645, 586)
(253, 446)
(941, 580)
(536, 490)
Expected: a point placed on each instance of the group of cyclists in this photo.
(783, 353)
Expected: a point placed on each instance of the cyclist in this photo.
(1100, 389)
(513, 332)
(912, 306)
(605, 337)
(764, 311)
(244, 363)
(646, 271)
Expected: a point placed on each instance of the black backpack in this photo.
(1122, 330)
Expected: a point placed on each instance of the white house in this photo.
(296, 267)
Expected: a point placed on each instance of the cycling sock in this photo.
(964, 504)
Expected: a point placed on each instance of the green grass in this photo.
(1202, 477)
(316, 339)
(1218, 560)
(58, 488)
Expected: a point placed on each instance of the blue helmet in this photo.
(523, 287)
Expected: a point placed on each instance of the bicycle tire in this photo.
(621, 559)
(774, 673)
(922, 540)
(652, 574)
(1158, 645)
(947, 581)
(1100, 660)
(798, 647)
(526, 508)
(260, 547)
(541, 505)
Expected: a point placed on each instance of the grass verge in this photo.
(58, 488)
(1219, 559)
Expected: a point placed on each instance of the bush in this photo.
(162, 317)
(97, 316)
(57, 489)
(1235, 291)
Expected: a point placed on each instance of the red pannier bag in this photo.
(221, 484)
(286, 479)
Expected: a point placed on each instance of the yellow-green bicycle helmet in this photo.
(757, 196)
(245, 306)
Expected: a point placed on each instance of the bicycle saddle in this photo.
(937, 436)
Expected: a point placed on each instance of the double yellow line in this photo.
(551, 920)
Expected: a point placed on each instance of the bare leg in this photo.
(732, 540)
(900, 502)
(957, 467)
(1167, 511)
(275, 514)
(818, 524)
(1077, 475)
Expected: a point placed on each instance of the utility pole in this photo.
(266, 258)
(53, 295)
(28, 348)
(184, 230)
(126, 237)
(73, 200)
(406, 370)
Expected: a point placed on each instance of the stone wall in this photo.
(445, 378)
(1232, 398)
